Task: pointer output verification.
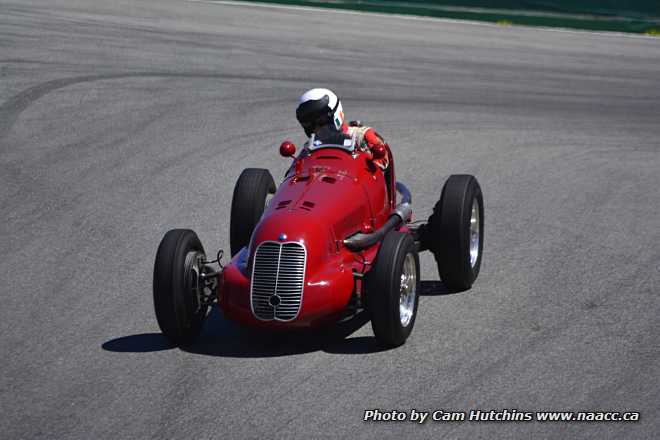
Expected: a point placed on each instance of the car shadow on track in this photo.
(436, 288)
(223, 338)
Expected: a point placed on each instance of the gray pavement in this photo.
(120, 120)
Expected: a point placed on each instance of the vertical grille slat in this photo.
(279, 269)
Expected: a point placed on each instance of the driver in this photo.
(320, 109)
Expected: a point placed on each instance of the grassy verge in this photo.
(619, 21)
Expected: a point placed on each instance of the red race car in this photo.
(335, 238)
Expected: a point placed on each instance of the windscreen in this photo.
(331, 138)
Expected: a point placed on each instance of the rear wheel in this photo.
(248, 204)
(179, 263)
(393, 287)
(455, 231)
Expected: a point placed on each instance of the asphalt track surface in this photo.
(121, 120)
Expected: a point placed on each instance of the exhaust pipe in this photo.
(401, 214)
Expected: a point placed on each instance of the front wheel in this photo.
(248, 204)
(393, 287)
(179, 309)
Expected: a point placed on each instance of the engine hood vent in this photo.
(307, 205)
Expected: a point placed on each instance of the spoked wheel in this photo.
(455, 232)
(393, 288)
(178, 286)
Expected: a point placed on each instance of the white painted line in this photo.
(420, 18)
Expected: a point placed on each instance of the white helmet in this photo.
(317, 108)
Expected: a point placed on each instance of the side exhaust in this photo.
(401, 214)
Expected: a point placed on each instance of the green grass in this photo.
(635, 22)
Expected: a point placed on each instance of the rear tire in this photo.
(455, 231)
(179, 316)
(393, 287)
(248, 204)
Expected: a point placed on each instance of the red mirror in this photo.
(287, 149)
(379, 151)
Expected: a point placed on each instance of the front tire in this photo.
(176, 272)
(247, 205)
(456, 231)
(393, 287)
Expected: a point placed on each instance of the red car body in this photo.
(328, 195)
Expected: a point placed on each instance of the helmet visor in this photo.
(314, 114)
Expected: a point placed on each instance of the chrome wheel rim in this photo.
(193, 270)
(475, 234)
(269, 197)
(408, 290)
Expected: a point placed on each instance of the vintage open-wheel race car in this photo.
(331, 241)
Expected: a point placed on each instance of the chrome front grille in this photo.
(278, 278)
